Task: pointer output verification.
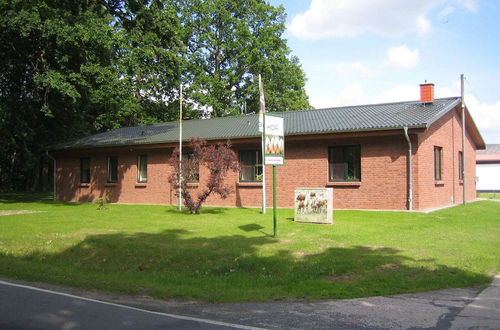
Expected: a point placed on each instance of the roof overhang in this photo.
(472, 129)
(487, 158)
(243, 140)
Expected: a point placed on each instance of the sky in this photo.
(375, 51)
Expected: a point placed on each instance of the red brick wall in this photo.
(126, 190)
(383, 173)
(445, 133)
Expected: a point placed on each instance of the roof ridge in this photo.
(381, 104)
(292, 111)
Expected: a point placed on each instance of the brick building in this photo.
(363, 152)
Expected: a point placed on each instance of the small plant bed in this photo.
(228, 254)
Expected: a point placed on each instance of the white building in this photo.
(488, 168)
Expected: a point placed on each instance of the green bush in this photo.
(101, 202)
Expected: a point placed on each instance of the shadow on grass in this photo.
(26, 197)
(203, 210)
(253, 227)
(173, 263)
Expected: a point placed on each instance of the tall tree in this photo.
(75, 67)
(71, 68)
(228, 44)
(149, 59)
(53, 56)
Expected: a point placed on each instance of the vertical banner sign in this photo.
(274, 152)
(274, 140)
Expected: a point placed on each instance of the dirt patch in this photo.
(12, 212)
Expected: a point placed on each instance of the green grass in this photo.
(489, 195)
(228, 254)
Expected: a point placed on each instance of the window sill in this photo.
(110, 184)
(461, 182)
(249, 184)
(439, 182)
(84, 185)
(141, 185)
(343, 184)
(192, 184)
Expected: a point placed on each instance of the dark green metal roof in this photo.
(359, 118)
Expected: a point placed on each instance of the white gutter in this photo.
(410, 171)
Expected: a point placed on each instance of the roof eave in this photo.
(122, 145)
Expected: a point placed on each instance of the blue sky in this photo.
(373, 51)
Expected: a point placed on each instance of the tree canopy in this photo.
(76, 67)
(228, 43)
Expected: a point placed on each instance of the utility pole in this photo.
(463, 139)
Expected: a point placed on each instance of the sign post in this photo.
(274, 143)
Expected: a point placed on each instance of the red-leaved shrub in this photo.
(218, 159)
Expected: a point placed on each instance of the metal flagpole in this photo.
(262, 112)
(180, 149)
(464, 190)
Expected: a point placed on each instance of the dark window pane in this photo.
(85, 170)
(460, 165)
(344, 163)
(112, 169)
(190, 168)
(251, 166)
(247, 173)
(438, 163)
(142, 168)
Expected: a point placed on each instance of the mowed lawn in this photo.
(228, 254)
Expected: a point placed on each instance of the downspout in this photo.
(53, 175)
(410, 171)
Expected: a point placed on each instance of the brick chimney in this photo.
(426, 93)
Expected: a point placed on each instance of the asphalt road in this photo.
(24, 307)
(47, 306)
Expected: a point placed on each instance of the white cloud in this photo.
(399, 94)
(486, 117)
(352, 68)
(470, 5)
(403, 57)
(403, 93)
(350, 18)
(352, 94)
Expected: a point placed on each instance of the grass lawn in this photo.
(489, 195)
(228, 254)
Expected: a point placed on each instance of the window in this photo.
(460, 165)
(84, 170)
(251, 166)
(190, 168)
(142, 168)
(112, 169)
(344, 163)
(438, 158)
